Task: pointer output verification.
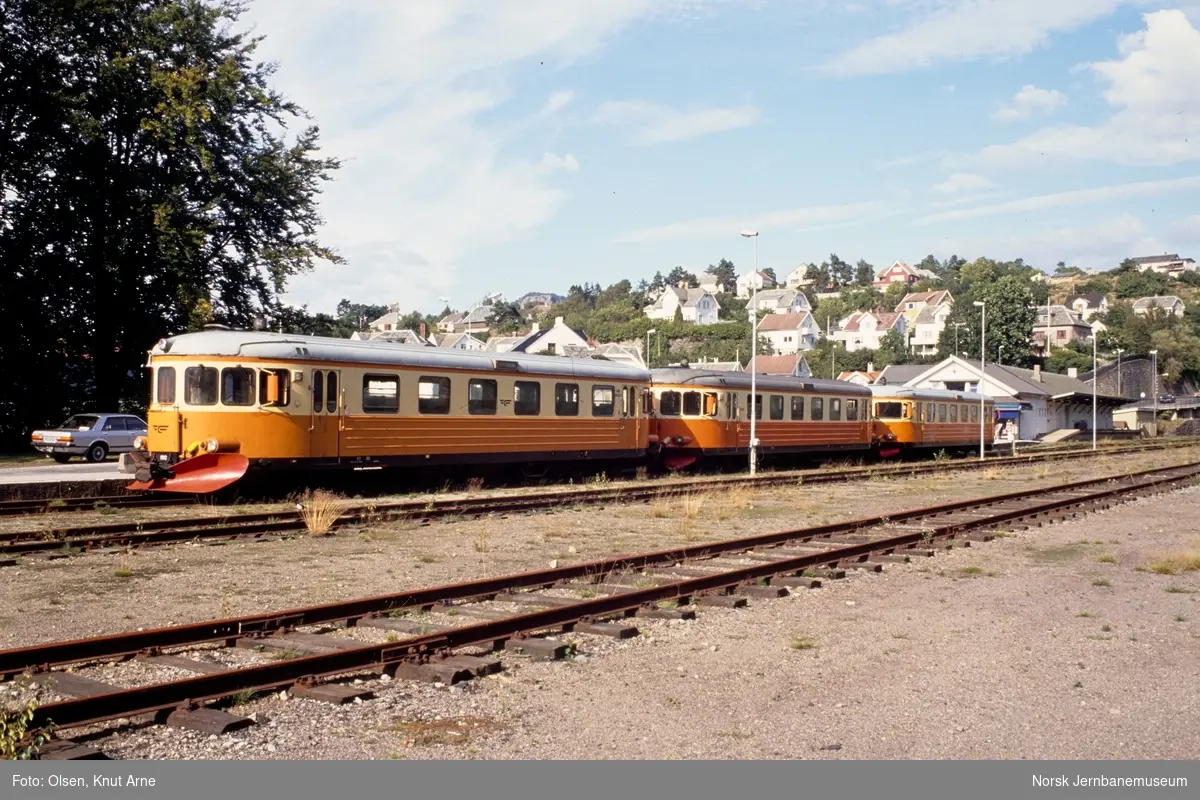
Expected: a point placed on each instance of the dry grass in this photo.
(803, 643)
(319, 509)
(474, 484)
(692, 503)
(1176, 562)
(733, 501)
(660, 506)
(457, 731)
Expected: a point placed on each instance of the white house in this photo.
(1170, 304)
(621, 354)
(458, 341)
(800, 276)
(557, 340)
(863, 330)
(782, 301)
(1037, 402)
(696, 305)
(790, 333)
(503, 344)
(925, 315)
(1087, 305)
(402, 336)
(1169, 263)
(757, 280)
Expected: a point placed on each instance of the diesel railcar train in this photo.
(226, 402)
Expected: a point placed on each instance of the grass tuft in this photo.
(319, 509)
(803, 643)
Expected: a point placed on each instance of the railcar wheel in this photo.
(97, 453)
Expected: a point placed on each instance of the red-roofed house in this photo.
(795, 365)
(863, 330)
(790, 333)
(899, 272)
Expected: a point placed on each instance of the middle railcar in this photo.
(697, 413)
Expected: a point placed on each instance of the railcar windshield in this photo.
(889, 410)
(80, 422)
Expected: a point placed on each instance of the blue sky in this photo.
(520, 145)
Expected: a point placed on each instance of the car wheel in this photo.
(97, 452)
(60, 458)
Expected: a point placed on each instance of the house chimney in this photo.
(535, 328)
(424, 331)
(558, 322)
(1072, 372)
(1037, 372)
(870, 366)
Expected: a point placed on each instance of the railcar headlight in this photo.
(682, 439)
(139, 443)
(212, 445)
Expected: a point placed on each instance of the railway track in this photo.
(451, 630)
(268, 526)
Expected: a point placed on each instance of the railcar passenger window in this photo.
(381, 394)
(888, 410)
(527, 398)
(481, 396)
(818, 408)
(930, 412)
(669, 404)
(797, 408)
(274, 387)
(691, 404)
(331, 396)
(603, 398)
(200, 386)
(941, 412)
(318, 391)
(164, 391)
(917, 412)
(852, 410)
(835, 408)
(757, 405)
(433, 395)
(776, 406)
(710, 404)
(974, 413)
(237, 386)
(735, 407)
(566, 399)
(953, 413)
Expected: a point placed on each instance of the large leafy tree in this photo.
(1011, 314)
(724, 273)
(147, 180)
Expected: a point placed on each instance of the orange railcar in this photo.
(929, 419)
(699, 413)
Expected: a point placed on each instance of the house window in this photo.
(776, 406)
(200, 386)
(603, 401)
(566, 399)
(835, 408)
(381, 394)
(818, 408)
(797, 407)
(165, 388)
(1060, 334)
(433, 395)
(527, 398)
(481, 396)
(669, 404)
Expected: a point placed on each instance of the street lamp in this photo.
(957, 325)
(1154, 353)
(753, 355)
(1119, 351)
(654, 331)
(982, 359)
(1000, 356)
(1094, 367)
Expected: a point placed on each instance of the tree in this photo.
(679, 275)
(930, 263)
(355, 316)
(506, 318)
(724, 273)
(1075, 354)
(770, 273)
(892, 349)
(1010, 319)
(146, 169)
(864, 273)
(842, 273)
(1128, 265)
(1141, 284)
(822, 277)
(894, 293)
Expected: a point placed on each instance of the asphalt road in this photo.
(53, 473)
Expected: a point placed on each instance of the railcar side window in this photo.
(566, 399)
(200, 386)
(974, 413)
(527, 398)
(888, 410)
(603, 398)
(835, 408)
(852, 410)
(710, 404)
(669, 404)
(797, 407)
(930, 412)
(941, 412)
(433, 395)
(164, 391)
(776, 406)
(757, 405)
(818, 408)
(237, 386)
(917, 411)
(318, 391)
(274, 387)
(381, 394)
(953, 412)
(481, 396)
(691, 404)
(331, 396)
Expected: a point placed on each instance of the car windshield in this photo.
(80, 422)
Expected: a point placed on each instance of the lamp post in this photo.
(1119, 351)
(1000, 357)
(982, 361)
(957, 325)
(1154, 353)
(652, 330)
(1094, 365)
(753, 409)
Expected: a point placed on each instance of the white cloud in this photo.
(655, 124)
(1157, 109)
(965, 30)
(415, 97)
(963, 182)
(1185, 230)
(805, 218)
(1101, 194)
(1030, 100)
(1100, 245)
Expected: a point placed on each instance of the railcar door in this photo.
(326, 413)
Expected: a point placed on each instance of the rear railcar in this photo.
(915, 420)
